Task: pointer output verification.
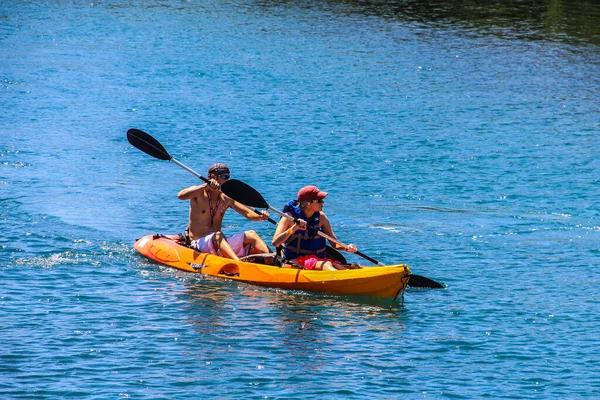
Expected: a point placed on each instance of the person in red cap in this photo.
(302, 245)
(207, 209)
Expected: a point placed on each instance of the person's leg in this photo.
(324, 266)
(204, 244)
(258, 245)
(222, 246)
(338, 266)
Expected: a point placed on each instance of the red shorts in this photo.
(310, 262)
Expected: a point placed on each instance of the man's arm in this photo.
(248, 212)
(191, 192)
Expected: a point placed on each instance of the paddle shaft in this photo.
(324, 235)
(188, 169)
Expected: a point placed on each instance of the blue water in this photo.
(459, 138)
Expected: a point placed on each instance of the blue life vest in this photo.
(304, 242)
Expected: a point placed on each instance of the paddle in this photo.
(146, 143)
(246, 194)
(149, 145)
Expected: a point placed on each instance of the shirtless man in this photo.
(207, 209)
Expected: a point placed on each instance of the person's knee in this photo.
(251, 236)
(327, 266)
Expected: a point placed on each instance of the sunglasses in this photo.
(224, 176)
(320, 201)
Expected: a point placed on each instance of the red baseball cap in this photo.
(308, 193)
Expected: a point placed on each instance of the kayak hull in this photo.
(386, 282)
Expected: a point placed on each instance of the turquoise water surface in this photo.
(459, 138)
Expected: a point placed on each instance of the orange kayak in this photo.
(386, 282)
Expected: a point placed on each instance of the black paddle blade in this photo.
(336, 255)
(243, 193)
(419, 281)
(147, 144)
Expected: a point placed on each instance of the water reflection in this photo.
(304, 330)
(298, 316)
(260, 329)
(538, 20)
